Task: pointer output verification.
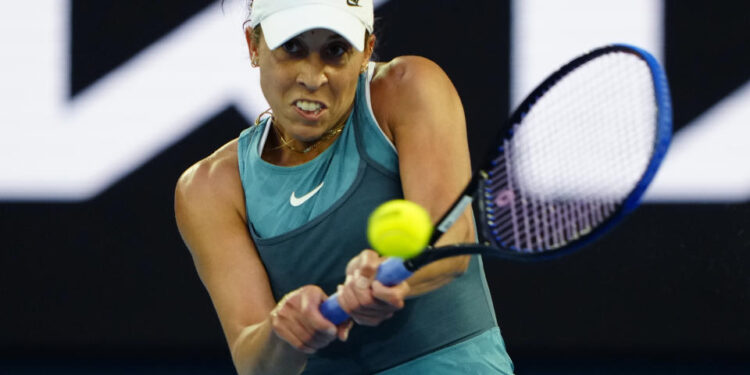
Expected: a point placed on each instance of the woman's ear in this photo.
(252, 45)
(369, 47)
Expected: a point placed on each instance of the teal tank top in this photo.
(309, 220)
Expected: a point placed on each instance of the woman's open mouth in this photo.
(310, 110)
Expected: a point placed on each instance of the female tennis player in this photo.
(275, 220)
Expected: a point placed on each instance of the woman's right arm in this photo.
(264, 337)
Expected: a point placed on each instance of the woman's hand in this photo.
(365, 299)
(297, 320)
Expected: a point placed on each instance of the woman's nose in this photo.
(312, 74)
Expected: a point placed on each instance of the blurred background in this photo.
(104, 103)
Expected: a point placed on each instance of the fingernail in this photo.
(346, 335)
(361, 283)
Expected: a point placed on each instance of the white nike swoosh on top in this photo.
(294, 201)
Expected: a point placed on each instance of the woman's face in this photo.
(310, 81)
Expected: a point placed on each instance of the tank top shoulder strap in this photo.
(374, 145)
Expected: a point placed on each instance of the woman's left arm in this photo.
(418, 107)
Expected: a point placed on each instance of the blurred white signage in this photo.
(54, 147)
(58, 148)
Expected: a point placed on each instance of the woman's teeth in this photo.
(308, 106)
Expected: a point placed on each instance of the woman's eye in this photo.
(337, 50)
(292, 47)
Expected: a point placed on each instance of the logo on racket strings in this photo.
(505, 198)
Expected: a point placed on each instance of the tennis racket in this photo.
(575, 158)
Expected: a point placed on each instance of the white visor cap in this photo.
(282, 20)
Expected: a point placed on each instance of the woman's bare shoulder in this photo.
(407, 84)
(213, 180)
(404, 69)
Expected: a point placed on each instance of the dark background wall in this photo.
(108, 279)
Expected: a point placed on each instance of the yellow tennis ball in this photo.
(399, 228)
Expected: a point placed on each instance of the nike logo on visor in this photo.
(294, 201)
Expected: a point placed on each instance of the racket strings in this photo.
(575, 155)
(531, 224)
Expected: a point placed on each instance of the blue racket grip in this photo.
(332, 311)
(390, 272)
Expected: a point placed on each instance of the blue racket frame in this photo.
(662, 139)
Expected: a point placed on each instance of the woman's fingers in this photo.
(297, 320)
(369, 302)
(343, 329)
(393, 296)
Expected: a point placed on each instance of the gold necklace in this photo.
(330, 133)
